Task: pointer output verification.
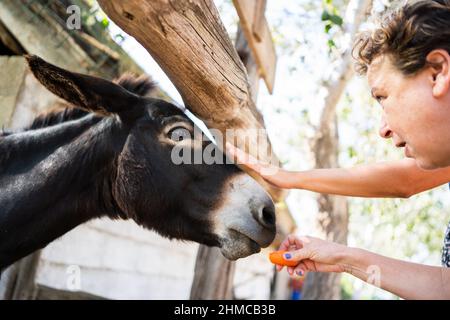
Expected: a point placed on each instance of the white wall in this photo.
(120, 260)
(253, 277)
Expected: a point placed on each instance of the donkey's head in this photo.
(214, 204)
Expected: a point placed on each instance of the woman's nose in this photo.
(385, 131)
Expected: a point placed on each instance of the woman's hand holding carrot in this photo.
(313, 254)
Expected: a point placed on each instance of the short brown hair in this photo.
(407, 35)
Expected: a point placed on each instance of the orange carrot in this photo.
(276, 257)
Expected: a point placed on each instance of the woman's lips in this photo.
(407, 152)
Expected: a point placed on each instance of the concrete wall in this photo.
(11, 80)
(119, 260)
(22, 97)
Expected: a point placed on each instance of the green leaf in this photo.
(351, 152)
(325, 15)
(328, 27)
(336, 19)
(331, 44)
(105, 23)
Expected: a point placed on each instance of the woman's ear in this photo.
(439, 62)
(87, 92)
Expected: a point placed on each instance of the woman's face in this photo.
(416, 110)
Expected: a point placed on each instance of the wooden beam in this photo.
(246, 56)
(263, 50)
(259, 20)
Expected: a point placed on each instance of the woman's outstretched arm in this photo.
(400, 179)
(404, 279)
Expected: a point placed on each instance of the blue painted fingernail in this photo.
(300, 272)
(287, 256)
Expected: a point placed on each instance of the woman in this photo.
(407, 61)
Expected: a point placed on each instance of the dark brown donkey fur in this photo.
(111, 156)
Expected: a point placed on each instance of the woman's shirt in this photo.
(446, 248)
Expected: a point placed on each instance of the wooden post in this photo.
(257, 32)
(259, 20)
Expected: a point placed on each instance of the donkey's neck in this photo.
(53, 179)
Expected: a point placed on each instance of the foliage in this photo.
(332, 18)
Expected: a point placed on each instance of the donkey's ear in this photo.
(87, 92)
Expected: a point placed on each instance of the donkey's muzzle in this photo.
(265, 214)
(246, 222)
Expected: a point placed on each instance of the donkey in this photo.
(113, 159)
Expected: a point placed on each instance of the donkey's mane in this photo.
(139, 85)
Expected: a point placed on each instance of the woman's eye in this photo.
(380, 98)
(179, 134)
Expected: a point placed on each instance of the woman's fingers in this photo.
(290, 243)
(293, 242)
(286, 244)
(311, 254)
(297, 255)
(300, 269)
(240, 155)
(298, 242)
(250, 161)
(290, 270)
(296, 252)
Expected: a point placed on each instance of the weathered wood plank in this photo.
(263, 50)
(259, 20)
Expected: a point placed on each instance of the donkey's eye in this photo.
(179, 134)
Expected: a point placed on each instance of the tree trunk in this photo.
(191, 45)
(333, 211)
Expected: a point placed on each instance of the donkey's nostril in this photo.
(266, 216)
